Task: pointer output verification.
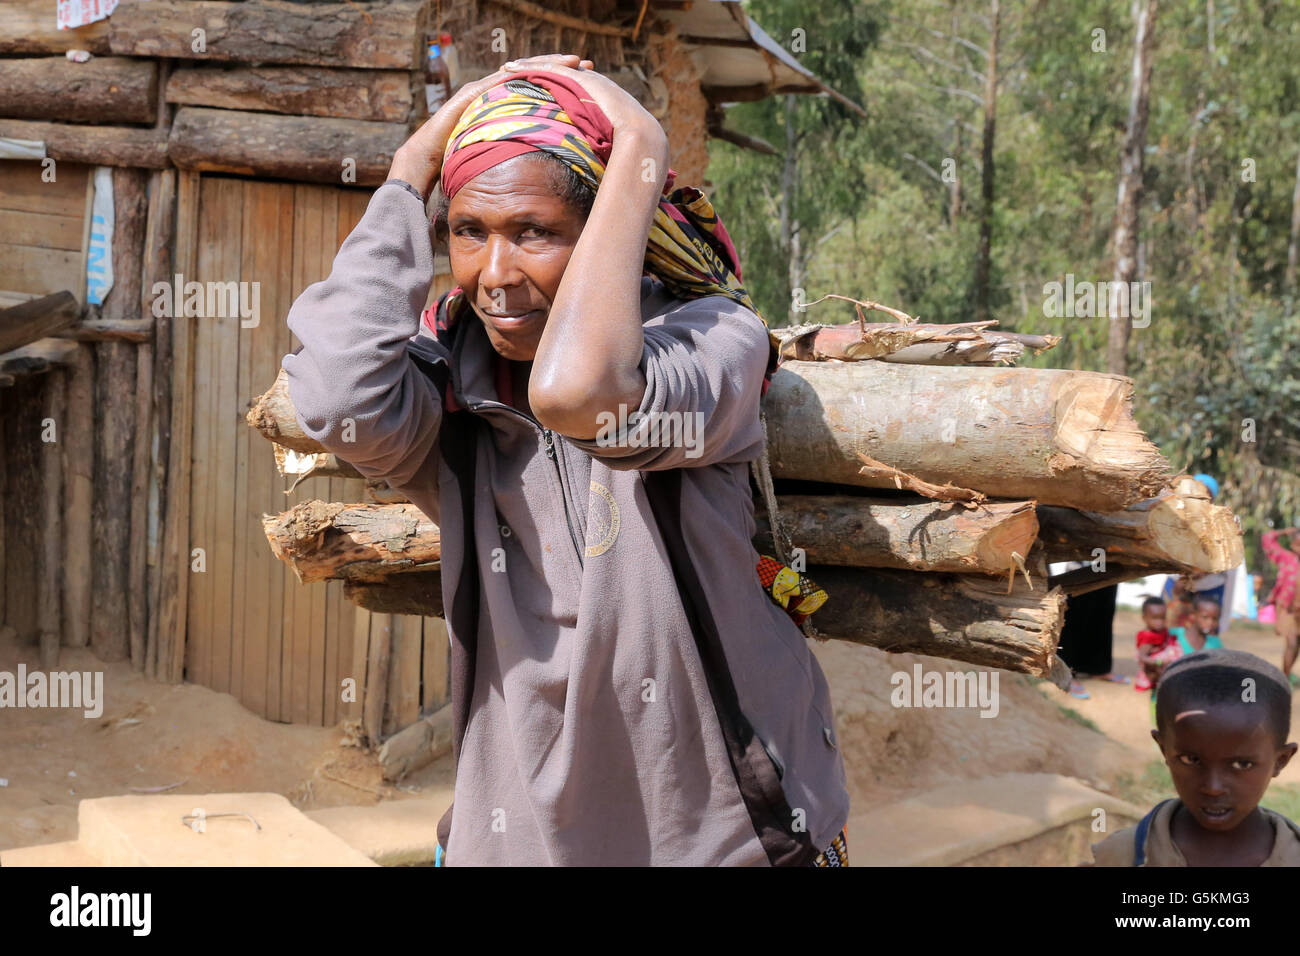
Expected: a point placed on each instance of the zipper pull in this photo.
(550, 443)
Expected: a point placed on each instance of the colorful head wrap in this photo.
(688, 249)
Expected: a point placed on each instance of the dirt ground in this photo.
(152, 735)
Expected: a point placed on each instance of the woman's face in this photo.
(511, 236)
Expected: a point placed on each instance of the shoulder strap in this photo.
(1140, 837)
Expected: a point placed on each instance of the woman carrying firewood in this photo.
(578, 417)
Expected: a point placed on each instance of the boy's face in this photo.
(1154, 617)
(1207, 618)
(1221, 760)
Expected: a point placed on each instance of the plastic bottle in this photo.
(437, 81)
(451, 58)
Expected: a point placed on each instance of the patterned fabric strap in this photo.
(837, 854)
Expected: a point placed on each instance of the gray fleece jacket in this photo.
(624, 691)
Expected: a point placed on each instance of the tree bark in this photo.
(34, 319)
(103, 90)
(911, 535)
(377, 95)
(335, 151)
(418, 593)
(1055, 436)
(95, 145)
(28, 26)
(984, 251)
(361, 542)
(1180, 531)
(1128, 201)
(377, 35)
(965, 617)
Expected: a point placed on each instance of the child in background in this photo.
(1200, 630)
(1222, 722)
(1156, 647)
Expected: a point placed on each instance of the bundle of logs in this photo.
(927, 499)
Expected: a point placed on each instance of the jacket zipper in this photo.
(547, 436)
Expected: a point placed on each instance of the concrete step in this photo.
(149, 831)
(392, 833)
(1010, 819)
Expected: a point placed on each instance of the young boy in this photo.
(1222, 720)
(1156, 647)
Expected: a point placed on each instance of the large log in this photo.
(964, 617)
(95, 145)
(960, 617)
(34, 319)
(29, 26)
(384, 36)
(1182, 530)
(361, 542)
(309, 149)
(1056, 436)
(378, 95)
(103, 90)
(916, 535)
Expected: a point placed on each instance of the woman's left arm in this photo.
(588, 359)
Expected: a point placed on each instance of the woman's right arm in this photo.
(353, 386)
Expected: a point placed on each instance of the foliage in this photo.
(1219, 364)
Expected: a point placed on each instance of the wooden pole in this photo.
(175, 556)
(50, 580)
(77, 441)
(115, 391)
(24, 323)
(138, 578)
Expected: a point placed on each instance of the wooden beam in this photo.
(375, 95)
(386, 35)
(109, 330)
(37, 357)
(307, 149)
(29, 26)
(35, 319)
(107, 89)
(94, 145)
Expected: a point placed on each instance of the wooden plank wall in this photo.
(282, 648)
(42, 228)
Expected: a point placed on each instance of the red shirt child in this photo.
(1156, 647)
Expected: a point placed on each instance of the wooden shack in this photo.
(215, 153)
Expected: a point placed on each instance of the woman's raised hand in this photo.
(625, 114)
(418, 161)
